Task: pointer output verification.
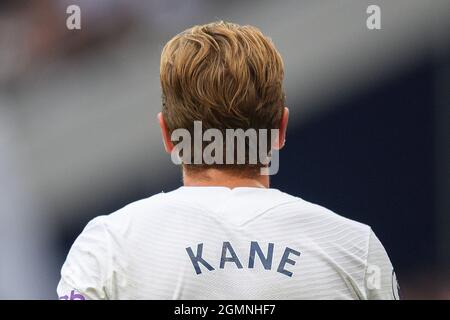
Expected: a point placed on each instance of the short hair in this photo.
(226, 75)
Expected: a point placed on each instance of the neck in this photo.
(221, 178)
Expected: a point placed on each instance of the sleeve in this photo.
(380, 279)
(84, 274)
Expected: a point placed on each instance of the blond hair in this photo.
(226, 75)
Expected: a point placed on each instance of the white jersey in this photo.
(220, 243)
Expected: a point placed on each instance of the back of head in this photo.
(225, 75)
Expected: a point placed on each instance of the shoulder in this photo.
(316, 212)
(99, 254)
(104, 235)
(119, 222)
(327, 227)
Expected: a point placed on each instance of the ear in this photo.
(168, 145)
(279, 143)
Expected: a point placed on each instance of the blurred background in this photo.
(369, 132)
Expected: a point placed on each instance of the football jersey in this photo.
(221, 243)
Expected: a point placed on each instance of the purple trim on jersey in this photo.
(74, 295)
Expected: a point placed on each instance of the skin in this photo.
(220, 178)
